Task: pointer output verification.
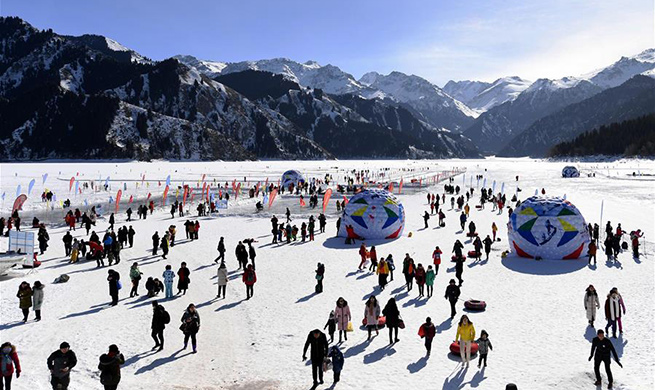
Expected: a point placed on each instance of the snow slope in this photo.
(535, 316)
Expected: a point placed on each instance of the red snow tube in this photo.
(454, 348)
(469, 234)
(474, 305)
(453, 258)
(474, 254)
(381, 321)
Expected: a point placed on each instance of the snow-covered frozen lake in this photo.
(535, 315)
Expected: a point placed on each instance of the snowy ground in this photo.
(535, 315)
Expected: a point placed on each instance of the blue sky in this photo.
(438, 40)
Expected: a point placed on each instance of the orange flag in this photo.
(326, 198)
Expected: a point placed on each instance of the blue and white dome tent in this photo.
(570, 171)
(292, 177)
(548, 228)
(373, 214)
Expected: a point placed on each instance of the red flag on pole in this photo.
(186, 193)
(272, 198)
(148, 198)
(18, 203)
(326, 198)
(302, 202)
(70, 184)
(391, 187)
(118, 198)
(400, 187)
(345, 200)
(131, 199)
(163, 200)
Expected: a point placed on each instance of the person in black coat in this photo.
(452, 295)
(603, 348)
(113, 278)
(130, 236)
(319, 350)
(221, 251)
(160, 318)
(155, 243)
(60, 362)
(459, 268)
(110, 368)
(393, 319)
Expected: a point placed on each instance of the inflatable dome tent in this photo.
(570, 171)
(291, 177)
(373, 214)
(548, 228)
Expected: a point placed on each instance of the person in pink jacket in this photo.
(342, 316)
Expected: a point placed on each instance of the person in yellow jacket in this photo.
(465, 335)
(467, 209)
(383, 273)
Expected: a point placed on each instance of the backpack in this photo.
(165, 316)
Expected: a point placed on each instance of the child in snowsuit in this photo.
(337, 362)
(484, 346)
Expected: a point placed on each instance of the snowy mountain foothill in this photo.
(535, 313)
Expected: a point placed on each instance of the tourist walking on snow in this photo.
(436, 259)
(371, 314)
(160, 318)
(601, 351)
(169, 277)
(613, 306)
(113, 279)
(484, 346)
(420, 280)
(392, 315)
(183, 279)
(37, 299)
(24, 296)
(249, 279)
(429, 280)
(465, 335)
(452, 295)
(373, 255)
(591, 304)
(318, 351)
(331, 325)
(408, 271)
(221, 251)
(8, 360)
(190, 326)
(60, 363)
(343, 317)
(427, 331)
(135, 276)
(222, 280)
(362, 254)
(110, 367)
(383, 273)
(155, 243)
(337, 362)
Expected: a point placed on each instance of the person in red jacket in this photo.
(427, 331)
(419, 275)
(249, 279)
(8, 359)
(362, 254)
(436, 256)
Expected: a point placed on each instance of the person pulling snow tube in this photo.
(475, 305)
(381, 321)
(454, 348)
(471, 234)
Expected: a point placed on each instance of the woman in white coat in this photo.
(342, 317)
(222, 280)
(591, 304)
(37, 299)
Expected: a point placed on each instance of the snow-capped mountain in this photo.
(349, 125)
(465, 90)
(622, 70)
(90, 97)
(329, 78)
(632, 99)
(426, 100)
(494, 129)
